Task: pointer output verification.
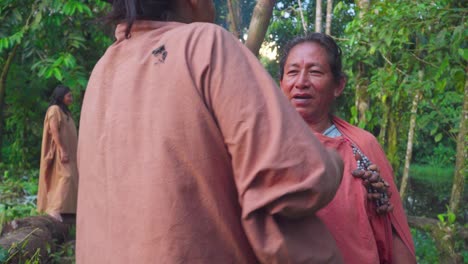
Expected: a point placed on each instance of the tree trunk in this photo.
(428, 224)
(318, 16)
(362, 97)
(3, 77)
(384, 124)
(409, 146)
(461, 157)
(363, 6)
(34, 237)
(259, 24)
(392, 140)
(329, 17)
(301, 12)
(234, 17)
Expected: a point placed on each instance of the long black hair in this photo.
(57, 98)
(130, 10)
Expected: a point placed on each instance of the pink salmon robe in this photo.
(58, 182)
(189, 153)
(359, 231)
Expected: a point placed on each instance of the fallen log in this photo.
(34, 237)
(429, 224)
(444, 237)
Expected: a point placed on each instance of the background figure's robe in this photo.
(58, 182)
(189, 153)
(358, 230)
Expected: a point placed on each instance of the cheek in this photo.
(286, 88)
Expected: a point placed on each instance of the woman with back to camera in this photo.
(58, 177)
(189, 153)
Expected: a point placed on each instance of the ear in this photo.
(340, 87)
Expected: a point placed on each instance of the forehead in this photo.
(307, 53)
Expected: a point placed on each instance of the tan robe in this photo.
(189, 153)
(58, 182)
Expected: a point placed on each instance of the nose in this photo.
(302, 81)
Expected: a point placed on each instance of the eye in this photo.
(292, 72)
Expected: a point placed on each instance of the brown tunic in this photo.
(189, 153)
(58, 182)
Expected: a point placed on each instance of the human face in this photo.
(308, 82)
(68, 99)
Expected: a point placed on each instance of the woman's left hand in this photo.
(64, 156)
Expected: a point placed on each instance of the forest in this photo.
(407, 84)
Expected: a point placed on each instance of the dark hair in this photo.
(57, 98)
(327, 42)
(131, 10)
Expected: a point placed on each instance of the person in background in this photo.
(366, 220)
(58, 176)
(189, 153)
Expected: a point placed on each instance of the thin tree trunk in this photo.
(259, 24)
(363, 6)
(362, 97)
(329, 17)
(3, 77)
(318, 16)
(234, 17)
(304, 25)
(392, 139)
(462, 156)
(409, 146)
(383, 125)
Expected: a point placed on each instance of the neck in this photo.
(177, 17)
(320, 125)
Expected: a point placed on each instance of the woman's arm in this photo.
(400, 252)
(54, 130)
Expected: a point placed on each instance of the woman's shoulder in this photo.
(204, 27)
(204, 33)
(356, 134)
(53, 110)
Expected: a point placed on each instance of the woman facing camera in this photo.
(366, 220)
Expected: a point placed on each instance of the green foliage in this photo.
(18, 194)
(58, 42)
(3, 255)
(447, 219)
(452, 243)
(64, 254)
(406, 47)
(435, 175)
(426, 251)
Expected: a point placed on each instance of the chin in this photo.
(304, 114)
